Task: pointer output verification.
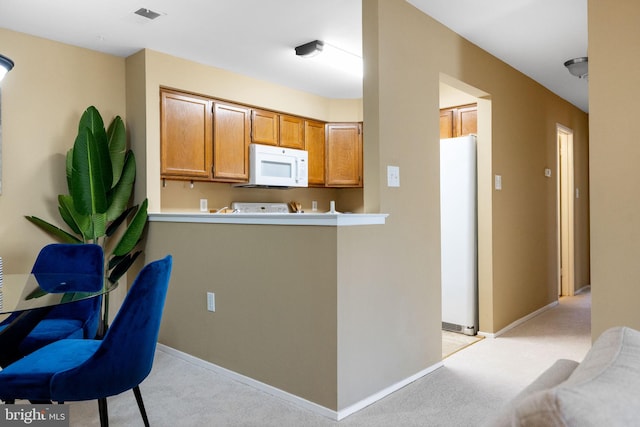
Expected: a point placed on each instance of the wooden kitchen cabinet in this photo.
(231, 138)
(314, 139)
(264, 127)
(208, 140)
(291, 132)
(185, 136)
(343, 155)
(271, 128)
(459, 121)
(446, 123)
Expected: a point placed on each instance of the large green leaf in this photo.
(99, 222)
(65, 204)
(115, 224)
(117, 141)
(120, 265)
(59, 233)
(92, 120)
(78, 222)
(69, 168)
(121, 193)
(133, 233)
(87, 183)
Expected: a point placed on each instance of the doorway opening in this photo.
(472, 106)
(565, 215)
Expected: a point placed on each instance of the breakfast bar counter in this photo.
(317, 219)
(288, 288)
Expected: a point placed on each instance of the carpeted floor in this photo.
(472, 384)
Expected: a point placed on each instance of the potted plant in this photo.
(100, 173)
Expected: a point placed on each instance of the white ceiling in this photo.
(535, 37)
(257, 37)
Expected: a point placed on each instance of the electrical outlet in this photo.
(211, 301)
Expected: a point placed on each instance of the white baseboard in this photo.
(296, 400)
(518, 322)
(585, 288)
(385, 392)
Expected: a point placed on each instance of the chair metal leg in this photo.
(143, 412)
(104, 413)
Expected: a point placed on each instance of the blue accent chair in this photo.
(78, 319)
(78, 369)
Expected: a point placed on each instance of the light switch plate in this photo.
(498, 182)
(211, 301)
(393, 176)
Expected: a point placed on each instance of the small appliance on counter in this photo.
(266, 208)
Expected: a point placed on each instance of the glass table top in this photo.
(21, 292)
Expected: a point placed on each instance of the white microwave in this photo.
(271, 166)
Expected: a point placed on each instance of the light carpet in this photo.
(472, 384)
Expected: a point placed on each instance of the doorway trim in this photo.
(565, 211)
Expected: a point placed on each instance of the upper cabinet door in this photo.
(314, 143)
(185, 136)
(467, 122)
(446, 123)
(264, 127)
(459, 121)
(231, 137)
(344, 155)
(291, 132)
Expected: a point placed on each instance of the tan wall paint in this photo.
(43, 98)
(615, 221)
(524, 116)
(388, 321)
(275, 290)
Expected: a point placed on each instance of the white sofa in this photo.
(602, 390)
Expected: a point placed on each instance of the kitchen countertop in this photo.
(317, 219)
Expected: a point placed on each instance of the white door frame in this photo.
(565, 211)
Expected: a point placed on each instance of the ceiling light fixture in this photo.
(146, 13)
(332, 56)
(5, 66)
(311, 49)
(578, 67)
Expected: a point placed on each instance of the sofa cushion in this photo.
(554, 375)
(604, 390)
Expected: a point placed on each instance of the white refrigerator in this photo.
(458, 218)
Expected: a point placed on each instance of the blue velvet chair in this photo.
(72, 320)
(77, 369)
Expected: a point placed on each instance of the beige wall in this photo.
(615, 220)
(43, 98)
(275, 290)
(401, 108)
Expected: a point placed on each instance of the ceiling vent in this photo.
(146, 13)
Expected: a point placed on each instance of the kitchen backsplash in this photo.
(182, 196)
